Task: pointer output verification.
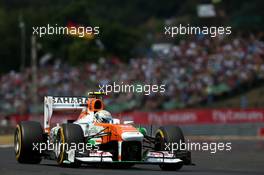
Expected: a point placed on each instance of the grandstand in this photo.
(197, 71)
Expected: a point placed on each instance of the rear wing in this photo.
(57, 103)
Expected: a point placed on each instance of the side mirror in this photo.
(128, 122)
(116, 121)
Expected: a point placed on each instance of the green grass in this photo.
(6, 139)
(255, 99)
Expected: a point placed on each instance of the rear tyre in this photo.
(28, 134)
(165, 135)
(68, 135)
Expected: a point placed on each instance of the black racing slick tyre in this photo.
(69, 134)
(28, 136)
(165, 136)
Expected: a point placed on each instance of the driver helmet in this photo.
(103, 116)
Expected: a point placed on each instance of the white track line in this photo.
(7, 146)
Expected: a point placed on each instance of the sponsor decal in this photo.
(229, 115)
(70, 100)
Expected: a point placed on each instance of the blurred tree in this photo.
(125, 26)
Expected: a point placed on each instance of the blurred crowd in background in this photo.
(195, 70)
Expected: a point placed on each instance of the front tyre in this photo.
(28, 134)
(68, 135)
(167, 135)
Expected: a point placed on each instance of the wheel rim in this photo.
(17, 142)
(58, 147)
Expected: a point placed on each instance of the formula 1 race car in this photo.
(91, 141)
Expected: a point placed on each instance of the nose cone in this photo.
(132, 136)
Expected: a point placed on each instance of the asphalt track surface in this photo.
(246, 157)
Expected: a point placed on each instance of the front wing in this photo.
(151, 157)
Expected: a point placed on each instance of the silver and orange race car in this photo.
(88, 141)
